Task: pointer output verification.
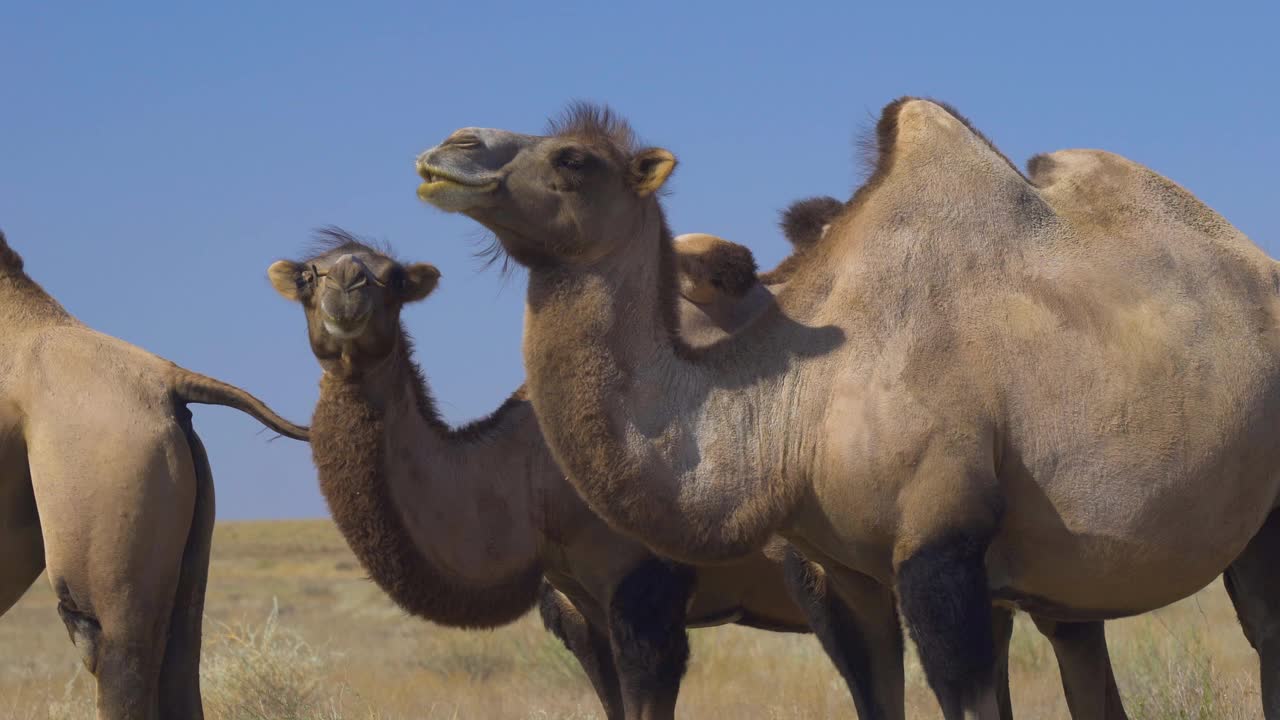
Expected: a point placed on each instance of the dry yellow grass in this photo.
(294, 632)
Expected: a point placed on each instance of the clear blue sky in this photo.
(156, 157)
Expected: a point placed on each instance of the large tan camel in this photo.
(104, 481)
(1058, 392)
(459, 526)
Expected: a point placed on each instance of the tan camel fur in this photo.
(714, 304)
(459, 526)
(103, 480)
(1058, 392)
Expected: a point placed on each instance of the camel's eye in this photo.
(572, 159)
(463, 142)
(398, 281)
(307, 278)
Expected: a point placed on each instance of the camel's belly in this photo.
(1079, 547)
(753, 592)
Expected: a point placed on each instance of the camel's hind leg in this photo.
(116, 515)
(180, 673)
(1085, 665)
(588, 645)
(647, 632)
(1254, 585)
(856, 622)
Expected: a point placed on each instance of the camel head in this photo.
(352, 295)
(550, 199)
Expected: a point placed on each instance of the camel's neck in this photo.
(443, 520)
(665, 444)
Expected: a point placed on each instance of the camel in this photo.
(460, 525)
(104, 481)
(1056, 391)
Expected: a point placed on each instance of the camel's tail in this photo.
(192, 387)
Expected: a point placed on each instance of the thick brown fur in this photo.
(9, 258)
(727, 267)
(803, 220)
(803, 223)
(352, 466)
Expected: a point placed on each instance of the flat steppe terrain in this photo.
(294, 631)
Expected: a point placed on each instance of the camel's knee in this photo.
(945, 604)
(85, 632)
(83, 626)
(647, 623)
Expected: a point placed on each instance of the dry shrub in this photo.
(269, 673)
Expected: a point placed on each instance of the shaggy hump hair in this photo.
(803, 220)
(9, 258)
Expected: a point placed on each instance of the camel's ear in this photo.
(284, 276)
(420, 280)
(650, 169)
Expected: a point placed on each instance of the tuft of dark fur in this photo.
(595, 123)
(942, 592)
(333, 239)
(803, 220)
(1040, 169)
(551, 609)
(9, 258)
(647, 624)
(729, 267)
(349, 450)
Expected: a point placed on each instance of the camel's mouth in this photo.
(346, 329)
(448, 191)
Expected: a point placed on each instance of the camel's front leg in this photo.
(1254, 586)
(587, 643)
(1085, 665)
(647, 631)
(856, 622)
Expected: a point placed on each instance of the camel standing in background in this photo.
(459, 525)
(104, 481)
(1059, 393)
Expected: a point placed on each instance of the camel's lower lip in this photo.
(349, 332)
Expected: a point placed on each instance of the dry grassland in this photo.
(294, 632)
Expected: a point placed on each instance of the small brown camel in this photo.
(459, 526)
(1057, 392)
(104, 481)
